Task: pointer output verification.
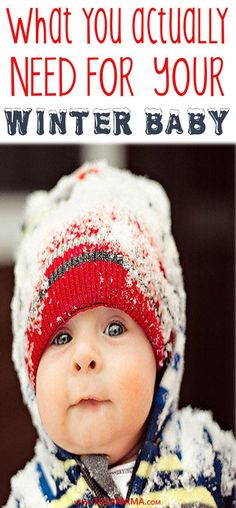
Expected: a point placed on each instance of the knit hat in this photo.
(100, 237)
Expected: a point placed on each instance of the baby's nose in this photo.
(85, 358)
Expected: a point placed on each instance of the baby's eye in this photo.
(61, 339)
(115, 329)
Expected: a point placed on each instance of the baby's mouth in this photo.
(90, 402)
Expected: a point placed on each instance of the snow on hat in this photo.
(100, 237)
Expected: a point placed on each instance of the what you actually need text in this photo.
(116, 75)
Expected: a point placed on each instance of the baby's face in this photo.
(95, 384)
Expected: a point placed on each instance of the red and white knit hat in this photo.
(100, 237)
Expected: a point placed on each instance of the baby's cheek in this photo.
(133, 386)
(47, 393)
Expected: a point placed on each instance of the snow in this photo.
(189, 432)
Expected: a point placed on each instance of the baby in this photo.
(99, 332)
